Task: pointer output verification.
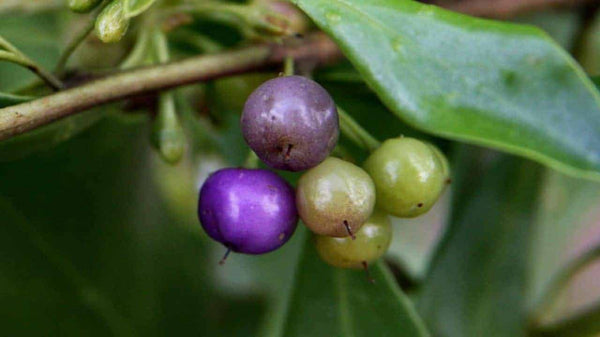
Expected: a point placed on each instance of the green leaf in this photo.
(328, 301)
(476, 284)
(496, 84)
(87, 247)
(9, 99)
(50, 135)
(136, 7)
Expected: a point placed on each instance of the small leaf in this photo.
(328, 301)
(501, 85)
(476, 285)
(136, 7)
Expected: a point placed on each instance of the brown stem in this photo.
(20, 118)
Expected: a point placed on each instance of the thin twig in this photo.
(13, 54)
(22, 60)
(20, 118)
(288, 66)
(46, 76)
(78, 39)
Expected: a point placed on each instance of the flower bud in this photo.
(167, 134)
(112, 24)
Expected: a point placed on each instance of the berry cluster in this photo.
(292, 123)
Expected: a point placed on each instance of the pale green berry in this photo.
(372, 241)
(335, 198)
(443, 160)
(409, 176)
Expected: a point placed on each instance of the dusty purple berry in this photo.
(248, 211)
(291, 123)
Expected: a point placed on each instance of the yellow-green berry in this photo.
(409, 176)
(335, 198)
(372, 241)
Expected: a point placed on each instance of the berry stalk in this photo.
(351, 129)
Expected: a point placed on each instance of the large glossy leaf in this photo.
(476, 285)
(328, 301)
(502, 85)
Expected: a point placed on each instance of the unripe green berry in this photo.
(112, 24)
(372, 241)
(409, 176)
(83, 6)
(443, 160)
(335, 198)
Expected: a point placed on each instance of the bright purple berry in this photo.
(291, 123)
(248, 211)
